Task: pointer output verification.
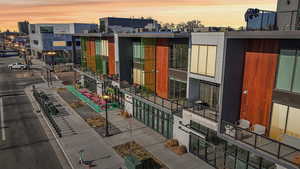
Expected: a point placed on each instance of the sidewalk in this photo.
(78, 135)
(83, 138)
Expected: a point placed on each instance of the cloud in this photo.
(90, 10)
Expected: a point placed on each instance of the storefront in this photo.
(157, 120)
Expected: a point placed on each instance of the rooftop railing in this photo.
(272, 147)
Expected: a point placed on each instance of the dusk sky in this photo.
(210, 12)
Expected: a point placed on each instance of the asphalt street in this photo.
(23, 141)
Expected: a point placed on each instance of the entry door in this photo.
(259, 78)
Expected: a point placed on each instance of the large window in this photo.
(179, 56)
(285, 120)
(209, 93)
(238, 158)
(203, 60)
(46, 29)
(177, 89)
(159, 121)
(288, 74)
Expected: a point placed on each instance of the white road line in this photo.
(2, 119)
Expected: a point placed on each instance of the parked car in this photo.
(17, 66)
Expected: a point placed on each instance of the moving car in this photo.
(17, 66)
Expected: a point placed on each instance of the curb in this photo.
(49, 126)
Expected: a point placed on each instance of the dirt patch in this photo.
(136, 150)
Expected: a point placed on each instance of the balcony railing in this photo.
(202, 110)
(274, 148)
(174, 106)
(270, 20)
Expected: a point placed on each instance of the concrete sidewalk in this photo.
(83, 138)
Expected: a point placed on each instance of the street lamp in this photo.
(106, 98)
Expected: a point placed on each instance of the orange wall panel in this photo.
(111, 57)
(93, 55)
(258, 83)
(162, 67)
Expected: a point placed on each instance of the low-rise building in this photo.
(52, 43)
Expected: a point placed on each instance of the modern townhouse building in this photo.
(154, 78)
(96, 61)
(261, 78)
(149, 68)
(52, 43)
(233, 103)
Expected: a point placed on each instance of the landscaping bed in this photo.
(137, 151)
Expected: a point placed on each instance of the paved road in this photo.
(26, 145)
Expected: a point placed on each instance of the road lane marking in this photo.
(2, 119)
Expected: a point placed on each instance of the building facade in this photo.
(231, 98)
(52, 43)
(23, 27)
(113, 24)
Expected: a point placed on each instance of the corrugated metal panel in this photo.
(104, 67)
(162, 65)
(149, 63)
(88, 54)
(259, 77)
(104, 47)
(111, 57)
(194, 59)
(211, 60)
(98, 56)
(83, 61)
(93, 55)
(98, 47)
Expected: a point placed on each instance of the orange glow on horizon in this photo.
(210, 12)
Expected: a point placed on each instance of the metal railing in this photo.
(270, 20)
(202, 110)
(173, 105)
(48, 109)
(274, 148)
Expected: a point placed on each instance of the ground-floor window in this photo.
(157, 120)
(217, 152)
(238, 158)
(285, 120)
(177, 89)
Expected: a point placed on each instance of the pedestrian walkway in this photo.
(95, 148)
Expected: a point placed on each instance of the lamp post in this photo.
(106, 97)
(51, 69)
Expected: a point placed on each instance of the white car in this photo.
(17, 66)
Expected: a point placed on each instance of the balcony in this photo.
(203, 110)
(263, 20)
(277, 150)
(175, 106)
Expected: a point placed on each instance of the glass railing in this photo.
(274, 148)
(202, 110)
(174, 106)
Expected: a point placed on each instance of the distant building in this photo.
(286, 17)
(112, 24)
(52, 43)
(288, 14)
(23, 27)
